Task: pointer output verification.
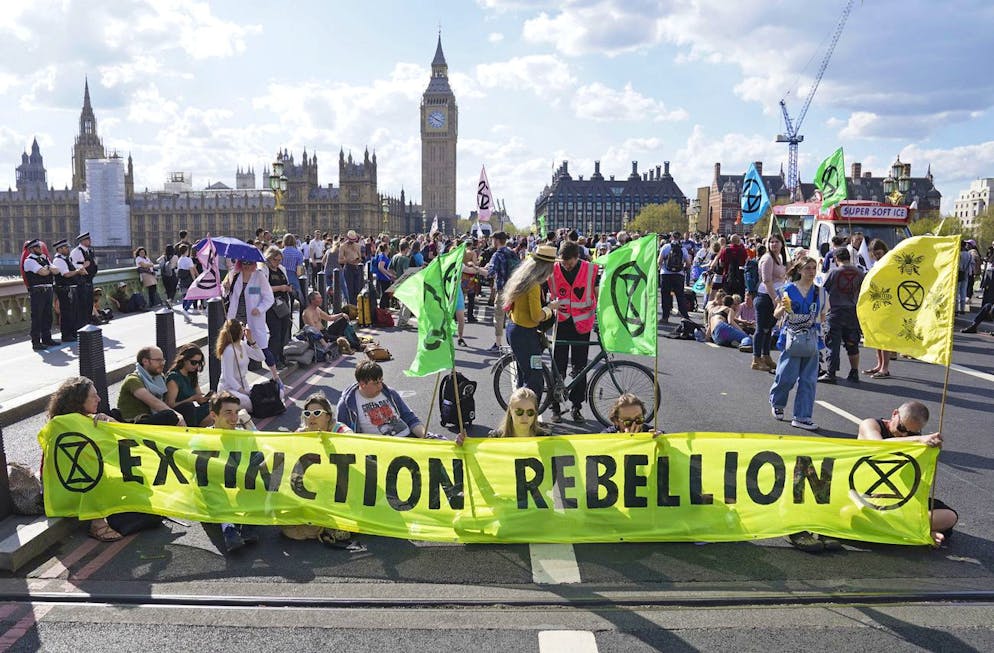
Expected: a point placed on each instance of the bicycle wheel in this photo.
(506, 381)
(615, 378)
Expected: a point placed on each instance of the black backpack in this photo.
(266, 400)
(674, 260)
(734, 281)
(447, 401)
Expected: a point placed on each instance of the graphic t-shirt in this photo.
(378, 416)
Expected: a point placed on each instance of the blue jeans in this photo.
(961, 303)
(725, 334)
(803, 372)
(525, 344)
(764, 325)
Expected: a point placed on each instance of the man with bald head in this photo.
(906, 424)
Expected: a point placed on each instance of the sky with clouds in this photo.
(205, 87)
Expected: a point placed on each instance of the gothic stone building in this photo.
(598, 205)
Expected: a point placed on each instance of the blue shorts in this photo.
(460, 301)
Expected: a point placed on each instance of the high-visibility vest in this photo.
(576, 300)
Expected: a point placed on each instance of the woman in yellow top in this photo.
(522, 298)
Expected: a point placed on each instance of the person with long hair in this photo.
(882, 368)
(772, 277)
(278, 325)
(235, 346)
(183, 387)
(800, 305)
(522, 299)
(521, 418)
(250, 297)
(78, 395)
(146, 273)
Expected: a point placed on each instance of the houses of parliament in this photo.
(103, 201)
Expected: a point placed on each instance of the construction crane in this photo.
(793, 126)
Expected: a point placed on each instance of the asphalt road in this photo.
(414, 595)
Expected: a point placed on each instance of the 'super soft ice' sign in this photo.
(580, 488)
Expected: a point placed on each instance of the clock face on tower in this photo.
(436, 119)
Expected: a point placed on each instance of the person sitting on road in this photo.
(124, 302)
(369, 406)
(723, 327)
(317, 417)
(627, 415)
(100, 314)
(905, 425)
(225, 408)
(78, 394)
(183, 388)
(315, 318)
(142, 398)
(521, 418)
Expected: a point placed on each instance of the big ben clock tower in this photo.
(439, 129)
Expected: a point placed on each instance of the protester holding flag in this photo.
(800, 305)
(184, 273)
(522, 298)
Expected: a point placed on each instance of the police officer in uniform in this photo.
(66, 291)
(83, 258)
(38, 272)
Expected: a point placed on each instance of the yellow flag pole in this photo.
(945, 383)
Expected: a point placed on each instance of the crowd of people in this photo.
(754, 296)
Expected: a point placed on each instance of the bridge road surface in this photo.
(173, 587)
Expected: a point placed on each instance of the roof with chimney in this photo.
(657, 185)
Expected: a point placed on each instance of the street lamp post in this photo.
(386, 215)
(277, 184)
(424, 221)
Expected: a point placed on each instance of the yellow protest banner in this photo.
(907, 300)
(579, 488)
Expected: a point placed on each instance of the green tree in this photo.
(984, 231)
(660, 218)
(950, 226)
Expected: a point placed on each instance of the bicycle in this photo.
(611, 379)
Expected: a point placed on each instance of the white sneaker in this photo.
(807, 425)
(777, 413)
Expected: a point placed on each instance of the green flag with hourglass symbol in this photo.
(831, 180)
(431, 296)
(626, 300)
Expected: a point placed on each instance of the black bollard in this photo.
(165, 334)
(6, 507)
(215, 320)
(91, 361)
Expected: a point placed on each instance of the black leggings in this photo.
(762, 341)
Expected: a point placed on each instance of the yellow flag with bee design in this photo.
(907, 300)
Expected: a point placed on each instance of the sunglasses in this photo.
(904, 429)
(318, 412)
(626, 423)
(199, 362)
(521, 411)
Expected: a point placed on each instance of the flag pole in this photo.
(455, 389)
(434, 396)
(655, 370)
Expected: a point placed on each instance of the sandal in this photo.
(101, 530)
(461, 343)
(872, 370)
(337, 539)
(881, 375)
(806, 541)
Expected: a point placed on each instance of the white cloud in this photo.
(495, 37)
(540, 73)
(609, 28)
(604, 104)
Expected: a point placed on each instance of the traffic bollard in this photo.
(165, 333)
(91, 361)
(215, 320)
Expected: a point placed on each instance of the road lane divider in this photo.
(566, 641)
(838, 411)
(972, 372)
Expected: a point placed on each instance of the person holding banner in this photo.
(522, 299)
(521, 418)
(224, 410)
(801, 307)
(628, 416)
(369, 406)
(906, 424)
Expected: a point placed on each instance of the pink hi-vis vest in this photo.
(576, 300)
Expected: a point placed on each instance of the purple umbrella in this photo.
(232, 248)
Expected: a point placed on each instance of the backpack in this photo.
(266, 399)
(447, 401)
(511, 263)
(382, 318)
(733, 281)
(751, 272)
(674, 260)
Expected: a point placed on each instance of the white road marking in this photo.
(553, 564)
(711, 344)
(566, 641)
(972, 372)
(838, 411)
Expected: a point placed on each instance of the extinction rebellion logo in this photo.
(626, 282)
(872, 480)
(78, 462)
